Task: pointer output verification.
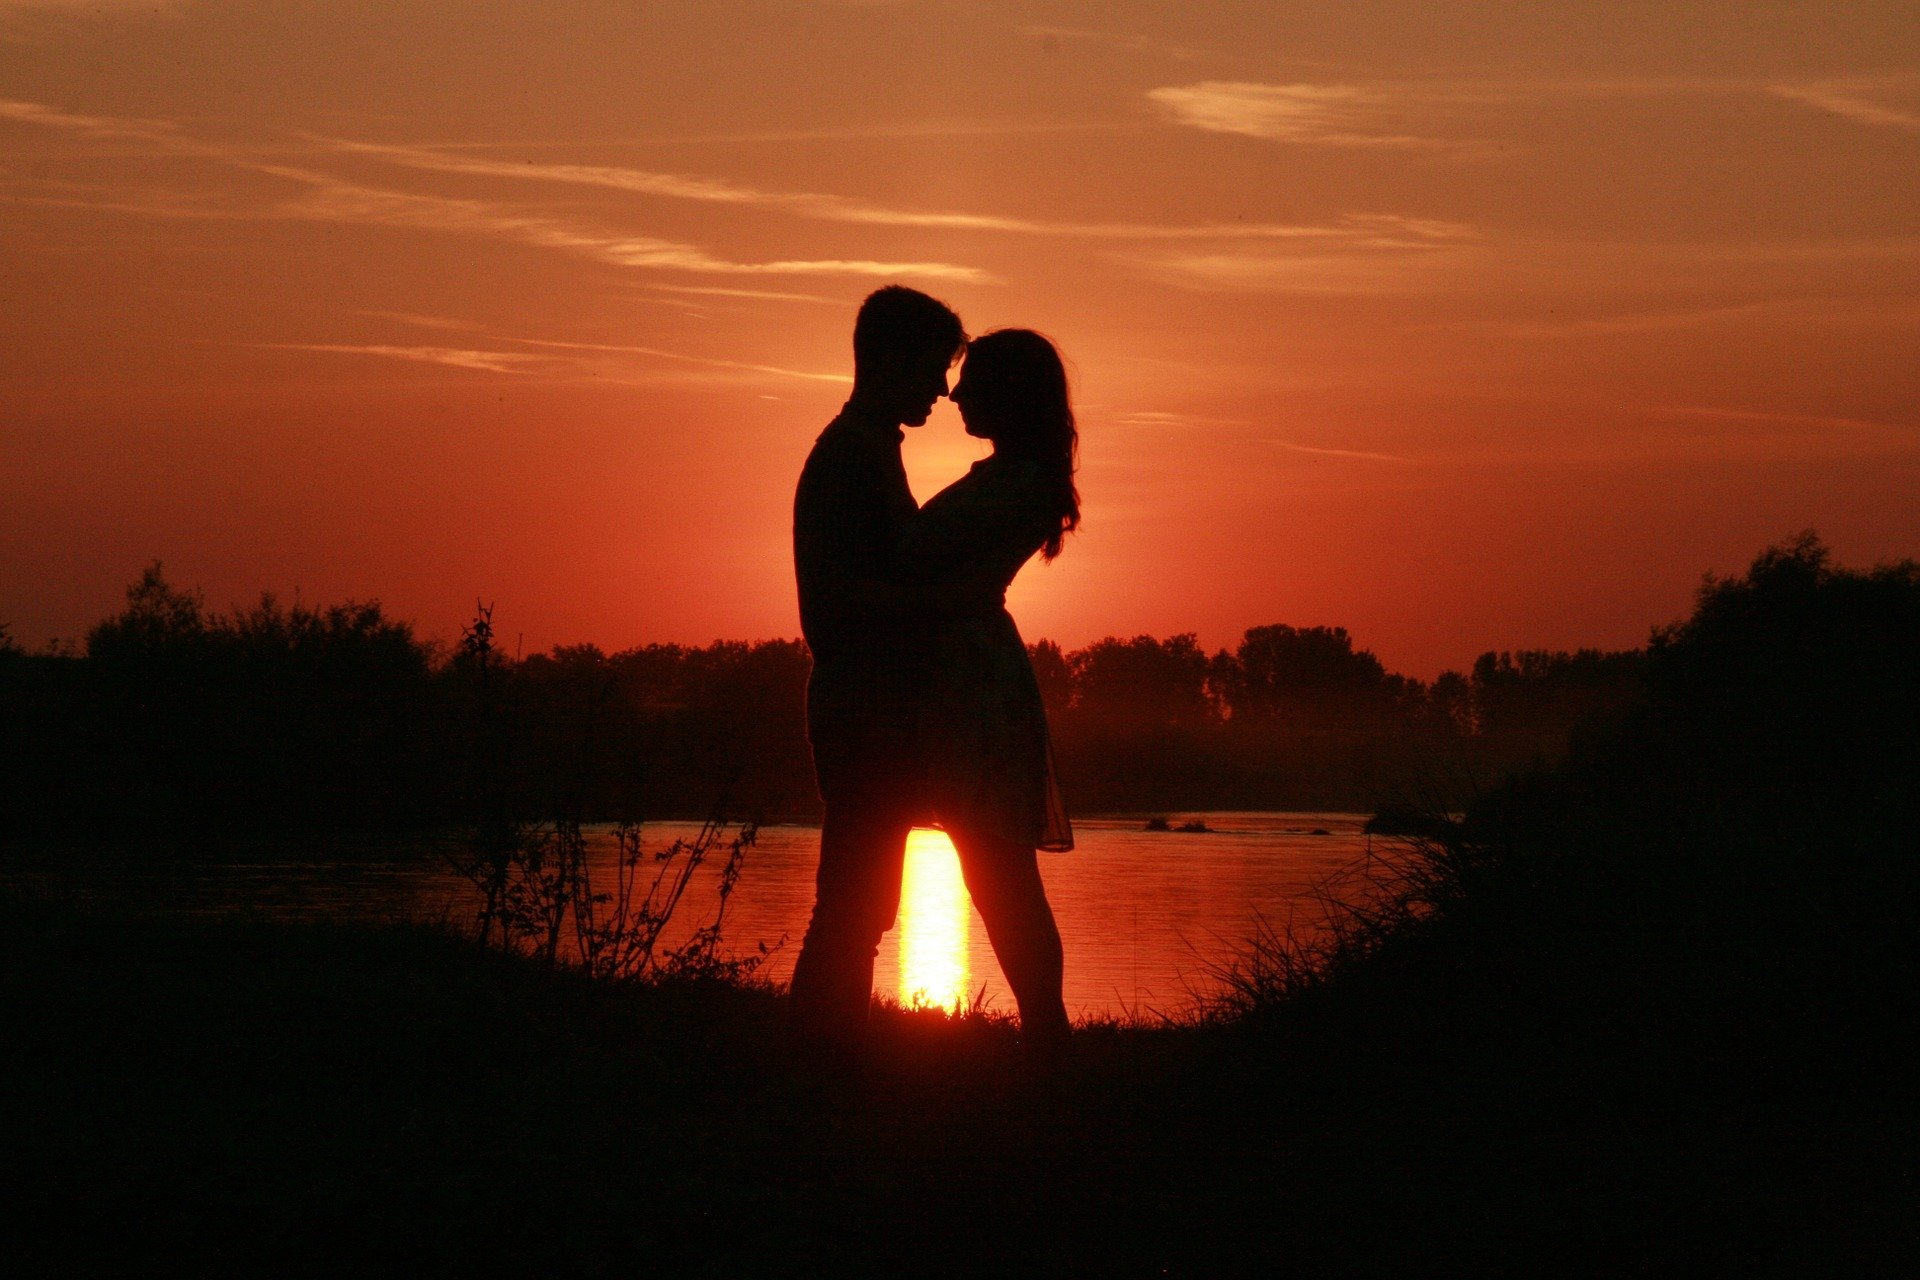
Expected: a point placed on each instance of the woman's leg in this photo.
(1004, 881)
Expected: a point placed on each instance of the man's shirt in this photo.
(850, 510)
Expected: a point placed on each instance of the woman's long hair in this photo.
(1022, 374)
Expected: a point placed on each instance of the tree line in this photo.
(174, 717)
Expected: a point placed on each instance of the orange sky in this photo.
(1463, 327)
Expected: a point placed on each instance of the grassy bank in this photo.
(1649, 1010)
(312, 1099)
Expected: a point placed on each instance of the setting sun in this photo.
(935, 921)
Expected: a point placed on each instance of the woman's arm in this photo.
(966, 543)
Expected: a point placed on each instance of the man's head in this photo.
(903, 344)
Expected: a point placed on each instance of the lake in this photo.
(1143, 914)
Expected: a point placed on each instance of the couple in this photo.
(922, 705)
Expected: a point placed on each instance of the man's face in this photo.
(923, 381)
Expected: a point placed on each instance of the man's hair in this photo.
(897, 323)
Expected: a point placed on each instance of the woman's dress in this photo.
(984, 731)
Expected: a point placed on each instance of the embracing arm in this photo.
(967, 542)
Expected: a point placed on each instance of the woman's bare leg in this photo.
(1004, 881)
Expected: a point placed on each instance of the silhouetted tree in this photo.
(294, 714)
(1523, 705)
(1055, 677)
(339, 715)
(1142, 680)
(1281, 669)
(1449, 702)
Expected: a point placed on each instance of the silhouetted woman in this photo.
(985, 730)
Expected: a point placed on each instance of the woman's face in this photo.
(978, 411)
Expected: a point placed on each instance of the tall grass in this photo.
(538, 892)
(1401, 884)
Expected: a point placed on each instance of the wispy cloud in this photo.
(1335, 115)
(659, 354)
(768, 295)
(1361, 254)
(95, 126)
(1163, 420)
(1401, 114)
(422, 322)
(1638, 321)
(1397, 231)
(1772, 418)
(1850, 101)
(1307, 273)
(831, 208)
(1358, 455)
(1158, 417)
(1126, 42)
(328, 198)
(331, 198)
(638, 181)
(552, 357)
(965, 127)
(461, 358)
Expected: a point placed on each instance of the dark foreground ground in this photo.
(302, 1100)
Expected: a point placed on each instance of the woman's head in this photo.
(1013, 391)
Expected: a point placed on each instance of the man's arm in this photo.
(841, 537)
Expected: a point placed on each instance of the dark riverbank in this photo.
(323, 1099)
(1650, 1010)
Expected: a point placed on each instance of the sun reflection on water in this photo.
(934, 922)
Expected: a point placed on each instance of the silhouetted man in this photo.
(849, 512)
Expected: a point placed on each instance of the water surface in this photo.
(1143, 915)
